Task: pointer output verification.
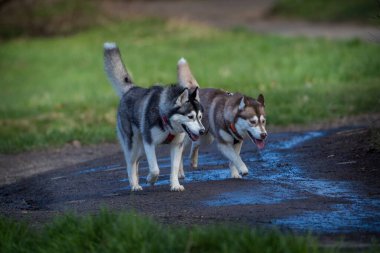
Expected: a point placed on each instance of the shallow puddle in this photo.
(263, 194)
(281, 184)
(280, 179)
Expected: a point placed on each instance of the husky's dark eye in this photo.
(200, 116)
(191, 116)
(254, 122)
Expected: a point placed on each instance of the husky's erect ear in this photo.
(242, 103)
(260, 98)
(182, 98)
(195, 95)
(185, 78)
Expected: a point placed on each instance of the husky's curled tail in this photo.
(115, 69)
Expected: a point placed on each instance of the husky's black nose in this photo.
(263, 135)
(202, 132)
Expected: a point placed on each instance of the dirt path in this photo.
(248, 13)
(327, 181)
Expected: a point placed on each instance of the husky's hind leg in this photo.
(131, 158)
(132, 166)
(181, 172)
(135, 156)
(154, 171)
(194, 154)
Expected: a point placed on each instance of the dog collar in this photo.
(165, 120)
(166, 123)
(234, 132)
(169, 139)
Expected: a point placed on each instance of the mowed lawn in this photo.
(54, 90)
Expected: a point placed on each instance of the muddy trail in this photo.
(324, 181)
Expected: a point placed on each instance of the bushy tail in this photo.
(115, 69)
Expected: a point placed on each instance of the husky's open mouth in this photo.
(259, 143)
(192, 136)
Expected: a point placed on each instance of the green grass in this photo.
(361, 11)
(129, 232)
(54, 90)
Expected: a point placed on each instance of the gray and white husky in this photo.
(229, 118)
(147, 117)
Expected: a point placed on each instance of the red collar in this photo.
(169, 139)
(234, 131)
(166, 123)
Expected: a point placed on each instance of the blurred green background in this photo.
(352, 11)
(54, 90)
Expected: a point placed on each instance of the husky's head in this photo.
(251, 119)
(186, 111)
(187, 115)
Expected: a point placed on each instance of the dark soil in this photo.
(324, 181)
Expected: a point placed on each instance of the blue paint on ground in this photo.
(263, 194)
(297, 140)
(342, 218)
(193, 176)
(351, 211)
(289, 183)
(98, 169)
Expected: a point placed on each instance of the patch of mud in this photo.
(279, 182)
(324, 181)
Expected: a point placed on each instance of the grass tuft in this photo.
(130, 232)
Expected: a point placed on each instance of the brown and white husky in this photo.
(228, 119)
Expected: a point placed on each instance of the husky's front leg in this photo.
(154, 171)
(229, 152)
(176, 150)
(234, 170)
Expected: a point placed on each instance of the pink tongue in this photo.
(195, 137)
(260, 144)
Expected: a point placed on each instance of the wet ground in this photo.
(324, 181)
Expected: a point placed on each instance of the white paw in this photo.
(152, 178)
(236, 175)
(136, 188)
(244, 171)
(177, 188)
(194, 165)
